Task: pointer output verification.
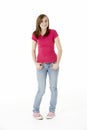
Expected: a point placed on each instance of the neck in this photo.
(43, 31)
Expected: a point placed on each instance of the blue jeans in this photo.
(41, 78)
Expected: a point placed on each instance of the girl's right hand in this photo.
(39, 65)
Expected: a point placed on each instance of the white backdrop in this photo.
(18, 82)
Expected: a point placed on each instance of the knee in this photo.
(41, 92)
(53, 88)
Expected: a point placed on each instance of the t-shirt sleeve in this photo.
(55, 34)
(34, 37)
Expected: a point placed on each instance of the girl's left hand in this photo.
(55, 65)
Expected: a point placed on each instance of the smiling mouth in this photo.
(44, 25)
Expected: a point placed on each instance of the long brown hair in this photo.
(38, 28)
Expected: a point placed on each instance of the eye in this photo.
(46, 21)
(41, 21)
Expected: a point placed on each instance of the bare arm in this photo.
(34, 44)
(38, 65)
(59, 54)
(58, 45)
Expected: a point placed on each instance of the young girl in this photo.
(46, 62)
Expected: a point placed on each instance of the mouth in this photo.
(44, 25)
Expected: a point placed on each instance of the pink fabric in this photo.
(37, 114)
(46, 52)
(51, 114)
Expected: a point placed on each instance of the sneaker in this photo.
(38, 116)
(50, 115)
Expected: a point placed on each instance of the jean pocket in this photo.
(40, 69)
(51, 66)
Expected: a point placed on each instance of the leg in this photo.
(53, 74)
(41, 78)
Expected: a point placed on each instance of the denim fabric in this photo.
(41, 78)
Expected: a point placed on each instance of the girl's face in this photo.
(44, 23)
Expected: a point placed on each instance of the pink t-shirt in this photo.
(46, 52)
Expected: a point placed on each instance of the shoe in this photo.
(38, 116)
(50, 115)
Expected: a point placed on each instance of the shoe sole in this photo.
(38, 118)
(48, 117)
